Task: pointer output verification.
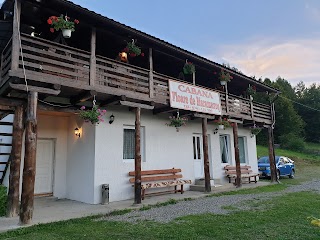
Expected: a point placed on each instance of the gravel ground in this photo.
(208, 205)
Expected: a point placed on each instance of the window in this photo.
(196, 147)
(129, 143)
(225, 148)
(242, 149)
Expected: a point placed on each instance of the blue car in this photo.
(284, 165)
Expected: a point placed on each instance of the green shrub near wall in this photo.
(3, 200)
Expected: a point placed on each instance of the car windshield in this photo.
(266, 159)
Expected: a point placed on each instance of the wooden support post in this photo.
(236, 154)
(137, 159)
(93, 58)
(28, 179)
(227, 97)
(15, 162)
(151, 90)
(15, 35)
(206, 155)
(273, 168)
(194, 78)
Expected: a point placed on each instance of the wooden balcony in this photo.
(48, 62)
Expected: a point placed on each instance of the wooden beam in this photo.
(236, 154)
(93, 68)
(83, 96)
(137, 159)
(206, 155)
(113, 100)
(15, 51)
(207, 116)
(6, 108)
(23, 87)
(15, 162)
(163, 110)
(136, 105)
(273, 169)
(27, 196)
(151, 90)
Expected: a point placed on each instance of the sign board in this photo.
(189, 97)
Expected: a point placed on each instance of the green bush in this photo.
(3, 200)
(292, 142)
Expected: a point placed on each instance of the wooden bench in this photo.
(246, 172)
(159, 179)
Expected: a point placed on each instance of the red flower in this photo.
(49, 21)
(142, 54)
(254, 88)
(132, 55)
(76, 21)
(231, 77)
(52, 30)
(125, 49)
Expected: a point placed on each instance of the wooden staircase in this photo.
(4, 155)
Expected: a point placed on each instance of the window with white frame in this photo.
(242, 144)
(225, 148)
(129, 143)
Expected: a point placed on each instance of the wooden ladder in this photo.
(7, 154)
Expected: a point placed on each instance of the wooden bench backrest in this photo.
(242, 167)
(235, 172)
(157, 175)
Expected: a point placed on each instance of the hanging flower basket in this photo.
(223, 123)
(189, 68)
(94, 115)
(62, 23)
(224, 77)
(255, 131)
(177, 122)
(133, 50)
(251, 91)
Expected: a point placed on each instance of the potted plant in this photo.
(255, 131)
(177, 122)
(94, 115)
(133, 50)
(62, 23)
(189, 68)
(224, 77)
(223, 123)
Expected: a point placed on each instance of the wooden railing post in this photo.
(15, 36)
(29, 168)
(151, 90)
(251, 108)
(15, 162)
(93, 62)
(227, 98)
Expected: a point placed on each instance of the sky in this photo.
(261, 38)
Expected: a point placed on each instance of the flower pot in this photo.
(177, 129)
(221, 127)
(223, 83)
(66, 33)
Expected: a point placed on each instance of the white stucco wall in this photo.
(164, 148)
(81, 162)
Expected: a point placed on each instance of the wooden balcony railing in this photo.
(5, 62)
(51, 62)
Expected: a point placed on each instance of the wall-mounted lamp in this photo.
(111, 119)
(77, 132)
(215, 131)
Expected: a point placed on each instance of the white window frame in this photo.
(228, 147)
(245, 145)
(142, 143)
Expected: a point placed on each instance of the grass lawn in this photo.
(3, 200)
(283, 217)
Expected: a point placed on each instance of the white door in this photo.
(44, 166)
(198, 156)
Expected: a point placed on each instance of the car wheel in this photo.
(291, 174)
